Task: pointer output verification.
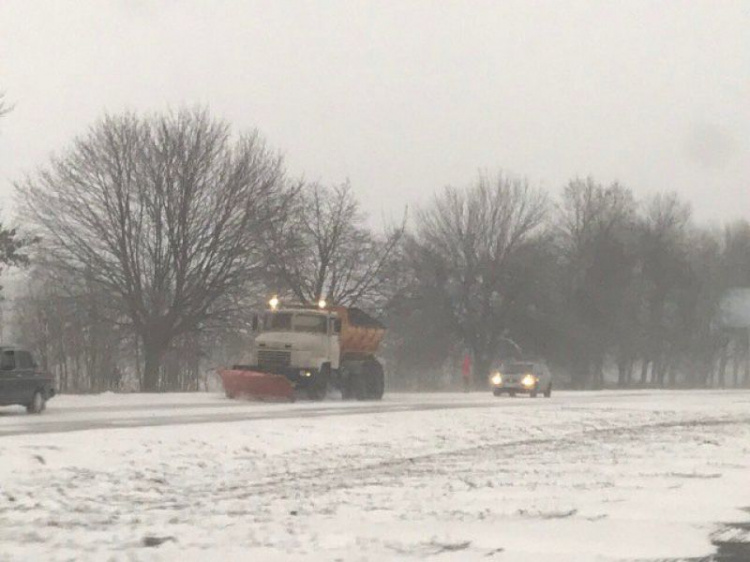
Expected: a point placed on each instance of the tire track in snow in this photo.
(325, 479)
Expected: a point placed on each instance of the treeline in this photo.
(608, 289)
(152, 239)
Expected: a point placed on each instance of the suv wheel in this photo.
(37, 403)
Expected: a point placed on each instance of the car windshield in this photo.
(518, 368)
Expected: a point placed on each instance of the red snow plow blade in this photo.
(240, 382)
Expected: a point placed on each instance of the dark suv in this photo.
(21, 382)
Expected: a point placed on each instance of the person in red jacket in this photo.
(466, 372)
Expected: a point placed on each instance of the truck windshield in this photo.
(310, 323)
(279, 322)
(287, 322)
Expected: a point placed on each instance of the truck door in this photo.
(334, 346)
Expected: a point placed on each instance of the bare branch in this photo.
(324, 250)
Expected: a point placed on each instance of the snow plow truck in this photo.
(309, 350)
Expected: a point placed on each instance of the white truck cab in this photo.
(318, 348)
(305, 339)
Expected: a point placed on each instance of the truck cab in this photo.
(317, 348)
(302, 345)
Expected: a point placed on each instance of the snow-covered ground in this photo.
(580, 477)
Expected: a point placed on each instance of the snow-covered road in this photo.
(110, 411)
(583, 476)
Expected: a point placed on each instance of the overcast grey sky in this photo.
(404, 97)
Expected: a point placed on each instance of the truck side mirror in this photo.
(256, 323)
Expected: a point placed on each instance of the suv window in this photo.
(24, 360)
(8, 360)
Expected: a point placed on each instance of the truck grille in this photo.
(271, 359)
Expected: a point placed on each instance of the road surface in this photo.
(111, 411)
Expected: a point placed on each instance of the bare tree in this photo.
(165, 213)
(663, 253)
(60, 320)
(468, 252)
(325, 250)
(697, 338)
(12, 245)
(595, 231)
(736, 274)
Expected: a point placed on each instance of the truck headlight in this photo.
(528, 381)
(497, 379)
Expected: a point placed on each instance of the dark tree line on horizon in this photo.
(152, 239)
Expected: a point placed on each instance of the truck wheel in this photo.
(359, 386)
(316, 393)
(319, 388)
(346, 390)
(375, 381)
(37, 403)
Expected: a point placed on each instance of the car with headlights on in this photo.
(529, 377)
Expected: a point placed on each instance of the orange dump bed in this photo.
(360, 332)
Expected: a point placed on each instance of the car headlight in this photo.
(497, 379)
(528, 380)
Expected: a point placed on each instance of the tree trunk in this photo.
(622, 372)
(481, 370)
(644, 371)
(722, 367)
(672, 376)
(138, 372)
(152, 353)
(660, 367)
